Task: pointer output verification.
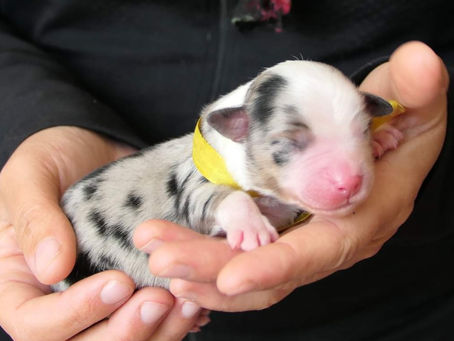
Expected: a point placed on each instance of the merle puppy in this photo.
(298, 135)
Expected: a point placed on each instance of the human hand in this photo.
(209, 273)
(35, 234)
(101, 307)
(31, 185)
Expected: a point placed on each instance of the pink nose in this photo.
(348, 185)
(334, 190)
(333, 187)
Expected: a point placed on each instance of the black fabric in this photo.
(140, 71)
(4, 336)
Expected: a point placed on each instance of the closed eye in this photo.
(297, 138)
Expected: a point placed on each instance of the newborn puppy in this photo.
(298, 135)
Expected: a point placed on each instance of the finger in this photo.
(61, 315)
(138, 319)
(30, 194)
(149, 235)
(197, 260)
(208, 296)
(181, 319)
(416, 77)
(410, 64)
(177, 251)
(296, 257)
(417, 74)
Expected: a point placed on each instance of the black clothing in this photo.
(140, 71)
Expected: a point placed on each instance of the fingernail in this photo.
(151, 245)
(46, 251)
(176, 271)
(114, 292)
(151, 312)
(189, 309)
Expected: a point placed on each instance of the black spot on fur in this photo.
(106, 263)
(180, 189)
(134, 201)
(186, 179)
(82, 269)
(89, 190)
(185, 210)
(98, 220)
(176, 189)
(172, 184)
(117, 231)
(266, 95)
(120, 234)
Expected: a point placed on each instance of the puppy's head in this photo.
(301, 134)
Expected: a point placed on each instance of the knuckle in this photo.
(27, 217)
(84, 312)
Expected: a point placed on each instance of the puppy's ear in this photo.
(376, 105)
(232, 123)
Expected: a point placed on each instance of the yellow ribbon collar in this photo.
(208, 161)
(397, 110)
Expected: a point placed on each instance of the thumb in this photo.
(417, 78)
(29, 189)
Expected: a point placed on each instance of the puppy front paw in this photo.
(387, 137)
(245, 226)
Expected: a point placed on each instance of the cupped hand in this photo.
(37, 245)
(208, 272)
(31, 184)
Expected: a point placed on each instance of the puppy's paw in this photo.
(245, 226)
(385, 138)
